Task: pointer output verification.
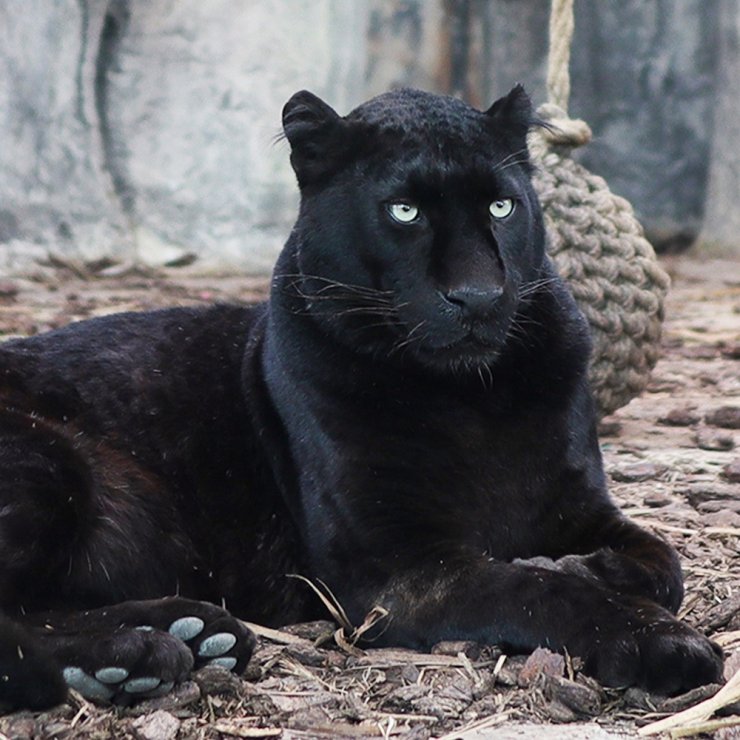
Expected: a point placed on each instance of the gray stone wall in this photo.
(721, 221)
(645, 77)
(56, 194)
(143, 131)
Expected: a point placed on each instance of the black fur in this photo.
(407, 419)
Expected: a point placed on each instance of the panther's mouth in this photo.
(469, 351)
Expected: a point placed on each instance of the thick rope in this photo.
(598, 246)
(558, 57)
(595, 241)
(565, 131)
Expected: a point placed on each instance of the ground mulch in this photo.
(674, 466)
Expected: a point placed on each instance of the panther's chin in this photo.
(468, 355)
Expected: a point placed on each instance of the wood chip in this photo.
(235, 728)
(542, 662)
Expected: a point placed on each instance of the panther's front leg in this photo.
(623, 640)
(627, 559)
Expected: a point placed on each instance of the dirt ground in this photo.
(674, 465)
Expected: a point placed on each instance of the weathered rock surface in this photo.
(140, 132)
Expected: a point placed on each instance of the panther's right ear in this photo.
(317, 136)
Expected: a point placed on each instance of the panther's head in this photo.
(419, 234)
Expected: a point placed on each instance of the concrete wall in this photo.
(143, 131)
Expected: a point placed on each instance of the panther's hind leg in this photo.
(40, 508)
(82, 526)
(83, 523)
(30, 678)
(44, 507)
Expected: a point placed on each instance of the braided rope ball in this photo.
(598, 246)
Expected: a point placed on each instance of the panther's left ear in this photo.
(513, 113)
(317, 136)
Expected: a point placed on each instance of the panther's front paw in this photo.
(666, 657)
(141, 649)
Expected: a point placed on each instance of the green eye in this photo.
(404, 213)
(501, 208)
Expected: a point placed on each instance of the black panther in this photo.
(407, 419)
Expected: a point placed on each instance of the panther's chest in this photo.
(437, 472)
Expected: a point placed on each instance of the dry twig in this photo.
(688, 720)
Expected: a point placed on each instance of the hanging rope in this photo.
(558, 55)
(595, 240)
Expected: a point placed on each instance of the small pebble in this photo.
(213, 679)
(711, 439)
(680, 417)
(708, 507)
(8, 289)
(698, 493)
(657, 500)
(158, 726)
(731, 471)
(410, 673)
(700, 352)
(610, 427)
(639, 698)
(731, 351)
(721, 518)
(637, 472)
(727, 417)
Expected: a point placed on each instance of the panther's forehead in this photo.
(418, 114)
(425, 142)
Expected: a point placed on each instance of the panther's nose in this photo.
(474, 302)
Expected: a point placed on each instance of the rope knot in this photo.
(560, 130)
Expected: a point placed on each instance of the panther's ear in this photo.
(513, 113)
(317, 136)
